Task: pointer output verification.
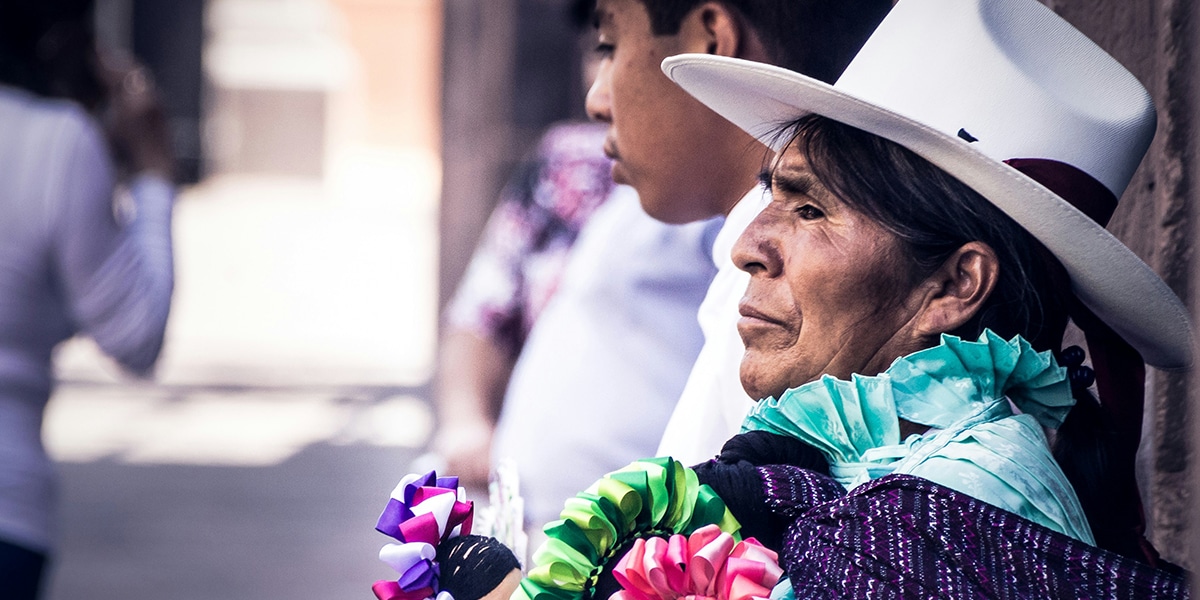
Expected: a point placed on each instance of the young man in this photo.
(608, 312)
(688, 164)
(553, 320)
(596, 381)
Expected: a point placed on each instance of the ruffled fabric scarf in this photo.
(961, 390)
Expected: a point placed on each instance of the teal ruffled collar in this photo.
(855, 423)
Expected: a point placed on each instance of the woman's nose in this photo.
(599, 99)
(757, 250)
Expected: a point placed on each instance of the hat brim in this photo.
(1106, 276)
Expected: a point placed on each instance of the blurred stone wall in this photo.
(1155, 39)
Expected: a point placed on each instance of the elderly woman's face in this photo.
(829, 292)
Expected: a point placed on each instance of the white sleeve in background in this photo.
(117, 274)
(713, 403)
(603, 365)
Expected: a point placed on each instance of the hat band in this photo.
(1072, 184)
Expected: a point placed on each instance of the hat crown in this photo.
(1014, 77)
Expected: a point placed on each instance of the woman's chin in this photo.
(765, 374)
(757, 388)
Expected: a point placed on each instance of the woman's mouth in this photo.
(751, 315)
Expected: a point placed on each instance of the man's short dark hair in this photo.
(814, 37)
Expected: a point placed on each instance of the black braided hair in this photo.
(473, 565)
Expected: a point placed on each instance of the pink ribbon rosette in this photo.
(423, 511)
(708, 565)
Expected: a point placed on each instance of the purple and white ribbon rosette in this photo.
(423, 511)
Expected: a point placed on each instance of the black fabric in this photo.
(20, 572)
(472, 565)
(735, 477)
(761, 448)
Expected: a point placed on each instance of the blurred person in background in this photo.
(516, 268)
(72, 259)
(514, 271)
(585, 301)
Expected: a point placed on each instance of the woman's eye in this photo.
(809, 212)
(604, 49)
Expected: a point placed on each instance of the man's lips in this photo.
(610, 149)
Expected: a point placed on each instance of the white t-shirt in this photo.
(608, 356)
(713, 403)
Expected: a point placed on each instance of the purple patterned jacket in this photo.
(905, 537)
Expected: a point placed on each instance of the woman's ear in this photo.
(715, 28)
(958, 289)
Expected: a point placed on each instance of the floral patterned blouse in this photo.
(520, 258)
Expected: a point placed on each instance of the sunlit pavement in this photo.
(291, 396)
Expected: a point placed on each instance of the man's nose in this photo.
(599, 101)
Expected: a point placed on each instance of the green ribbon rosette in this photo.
(650, 497)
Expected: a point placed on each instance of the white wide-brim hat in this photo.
(967, 85)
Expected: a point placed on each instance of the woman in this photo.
(940, 187)
(936, 218)
(70, 261)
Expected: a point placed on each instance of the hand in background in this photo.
(473, 373)
(465, 445)
(134, 119)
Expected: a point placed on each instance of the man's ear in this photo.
(714, 28)
(958, 289)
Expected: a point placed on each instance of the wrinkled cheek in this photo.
(772, 339)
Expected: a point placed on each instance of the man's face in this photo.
(673, 150)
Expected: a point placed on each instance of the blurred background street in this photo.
(293, 390)
(316, 237)
(288, 404)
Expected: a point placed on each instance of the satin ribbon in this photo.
(707, 565)
(1120, 383)
(389, 590)
(649, 497)
(1072, 184)
(425, 508)
(423, 511)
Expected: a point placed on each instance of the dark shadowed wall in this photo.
(511, 67)
(1156, 40)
